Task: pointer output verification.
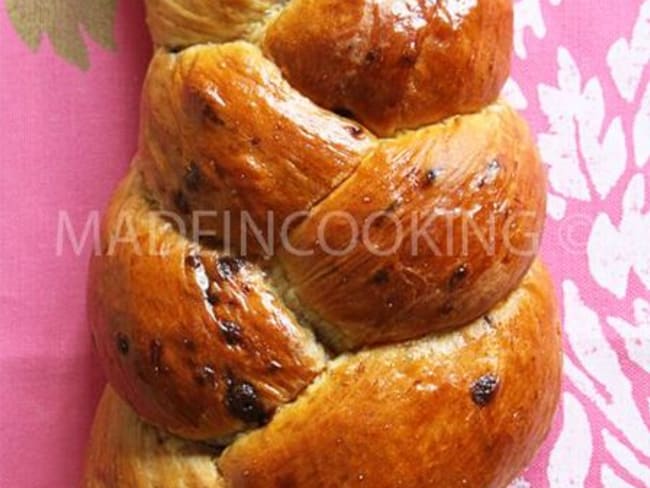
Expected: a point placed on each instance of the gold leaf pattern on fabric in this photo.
(65, 22)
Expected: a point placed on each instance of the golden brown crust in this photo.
(181, 23)
(223, 131)
(194, 340)
(423, 413)
(395, 65)
(124, 452)
(476, 179)
(293, 122)
(465, 408)
(202, 150)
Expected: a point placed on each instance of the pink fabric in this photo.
(580, 76)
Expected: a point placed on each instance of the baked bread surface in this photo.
(231, 364)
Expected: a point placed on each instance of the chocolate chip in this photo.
(231, 332)
(199, 102)
(161, 437)
(408, 59)
(122, 343)
(189, 344)
(409, 55)
(446, 308)
(494, 165)
(458, 276)
(373, 56)
(431, 176)
(155, 355)
(229, 266)
(211, 296)
(193, 261)
(355, 131)
(490, 174)
(210, 115)
(483, 389)
(381, 277)
(343, 112)
(181, 202)
(192, 177)
(255, 141)
(242, 401)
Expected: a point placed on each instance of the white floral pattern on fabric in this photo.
(615, 251)
(642, 131)
(571, 456)
(528, 15)
(577, 116)
(636, 336)
(628, 59)
(584, 83)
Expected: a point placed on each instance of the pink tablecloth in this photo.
(69, 126)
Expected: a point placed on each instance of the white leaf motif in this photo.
(636, 337)
(513, 93)
(613, 395)
(528, 15)
(577, 114)
(571, 456)
(605, 162)
(627, 60)
(556, 206)
(642, 131)
(613, 253)
(558, 147)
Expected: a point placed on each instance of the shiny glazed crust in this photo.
(381, 53)
(182, 329)
(235, 362)
(406, 415)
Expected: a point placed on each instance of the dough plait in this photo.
(320, 270)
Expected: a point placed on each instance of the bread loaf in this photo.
(320, 270)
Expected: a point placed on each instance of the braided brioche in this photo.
(248, 344)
